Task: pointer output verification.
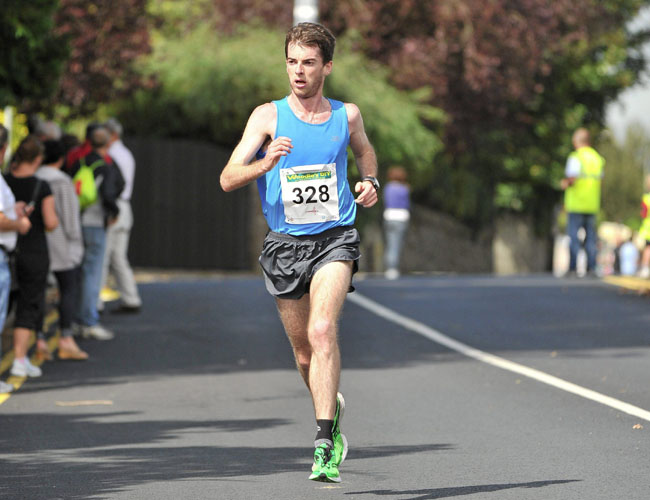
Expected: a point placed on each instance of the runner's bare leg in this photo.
(329, 287)
(295, 318)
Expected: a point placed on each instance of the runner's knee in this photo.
(322, 335)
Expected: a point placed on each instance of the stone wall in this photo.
(436, 242)
(517, 249)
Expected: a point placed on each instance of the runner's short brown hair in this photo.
(314, 35)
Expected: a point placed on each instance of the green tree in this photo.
(106, 38)
(31, 53)
(73, 53)
(624, 174)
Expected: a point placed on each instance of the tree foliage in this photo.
(31, 54)
(106, 38)
(623, 183)
(73, 53)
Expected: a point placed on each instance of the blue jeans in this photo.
(5, 287)
(588, 222)
(395, 231)
(91, 274)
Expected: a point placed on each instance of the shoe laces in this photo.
(323, 455)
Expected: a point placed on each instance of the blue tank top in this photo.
(313, 144)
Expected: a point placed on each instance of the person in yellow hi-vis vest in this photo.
(644, 232)
(583, 176)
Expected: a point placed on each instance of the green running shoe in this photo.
(340, 441)
(325, 468)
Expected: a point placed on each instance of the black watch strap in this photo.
(373, 180)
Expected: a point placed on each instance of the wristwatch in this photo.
(373, 180)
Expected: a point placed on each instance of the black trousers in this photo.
(69, 282)
(31, 274)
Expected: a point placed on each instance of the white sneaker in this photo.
(97, 332)
(5, 387)
(23, 368)
(644, 273)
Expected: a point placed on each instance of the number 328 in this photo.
(311, 195)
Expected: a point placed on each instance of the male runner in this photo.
(312, 248)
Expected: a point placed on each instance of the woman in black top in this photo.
(32, 260)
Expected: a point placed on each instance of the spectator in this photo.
(65, 246)
(47, 130)
(117, 235)
(76, 153)
(10, 224)
(94, 221)
(32, 261)
(69, 142)
(396, 218)
(583, 175)
(628, 256)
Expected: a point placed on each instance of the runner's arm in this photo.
(364, 154)
(239, 171)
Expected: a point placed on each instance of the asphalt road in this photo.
(197, 398)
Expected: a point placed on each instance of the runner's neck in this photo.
(313, 110)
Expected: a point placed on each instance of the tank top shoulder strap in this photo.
(338, 109)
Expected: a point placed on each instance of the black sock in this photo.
(324, 430)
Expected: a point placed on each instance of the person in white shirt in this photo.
(11, 223)
(117, 238)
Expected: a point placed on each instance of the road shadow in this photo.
(51, 431)
(434, 493)
(219, 327)
(93, 473)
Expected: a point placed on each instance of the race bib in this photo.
(310, 193)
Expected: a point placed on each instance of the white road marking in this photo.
(484, 357)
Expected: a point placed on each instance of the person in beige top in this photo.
(65, 246)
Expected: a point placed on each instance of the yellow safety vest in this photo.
(583, 196)
(644, 232)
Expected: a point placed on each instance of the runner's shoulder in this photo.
(354, 115)
(264, 118)
(264, 113)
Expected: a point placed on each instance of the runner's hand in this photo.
(368, 196)
(278, 148)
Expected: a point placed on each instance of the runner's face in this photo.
(306, 70)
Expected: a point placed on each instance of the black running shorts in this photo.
(290, 262)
